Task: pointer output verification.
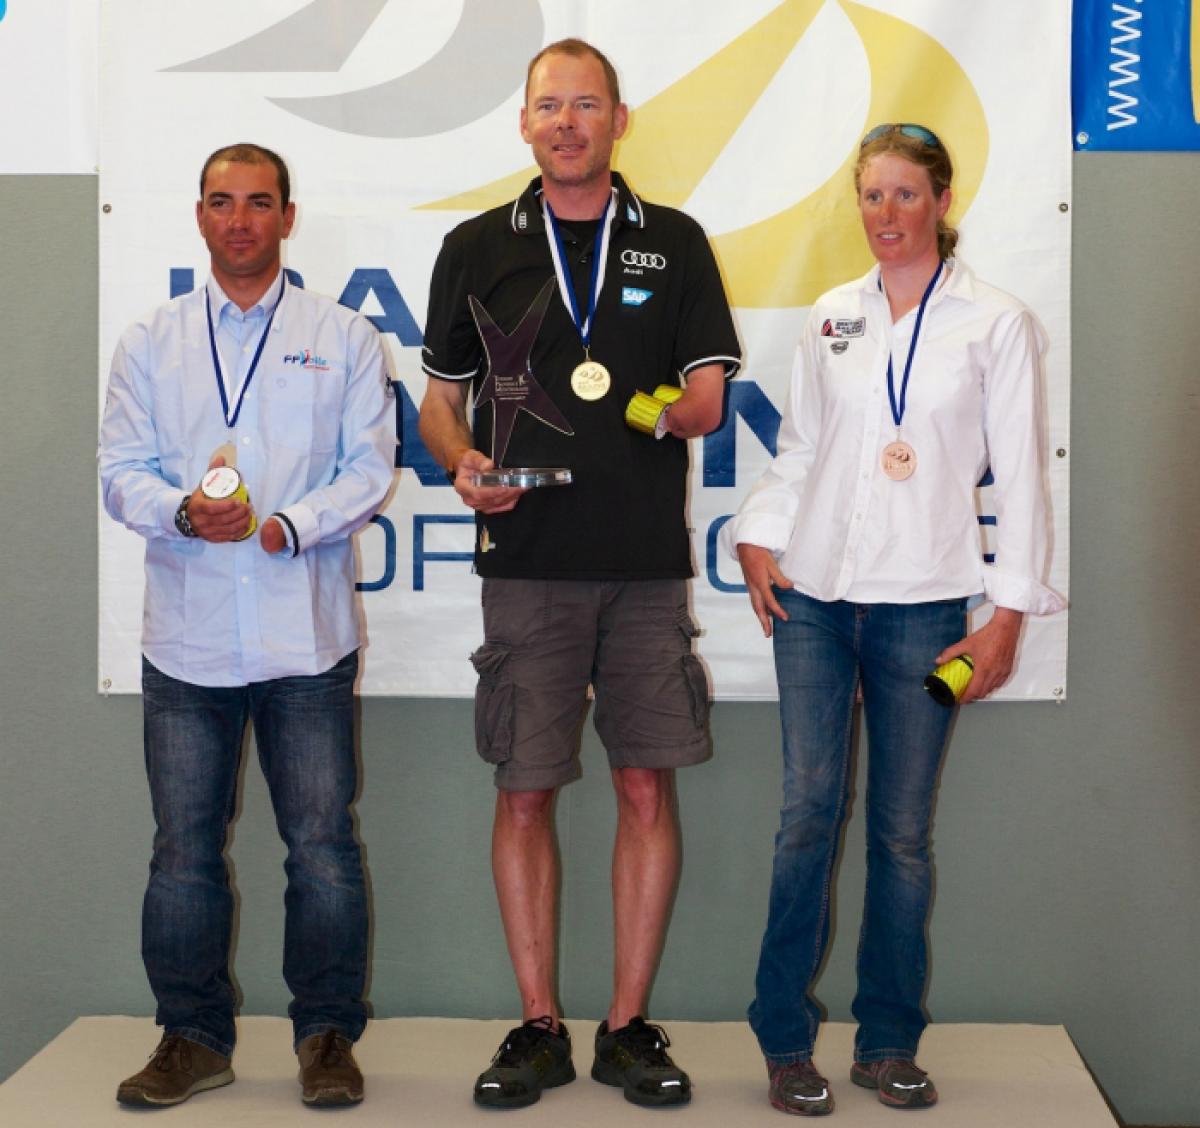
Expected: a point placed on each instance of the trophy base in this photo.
(523, 477)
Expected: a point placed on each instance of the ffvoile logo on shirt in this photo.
(308, 359)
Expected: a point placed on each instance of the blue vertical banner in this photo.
(1136, 74)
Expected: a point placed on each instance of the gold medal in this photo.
(590, 380)
(899, 461)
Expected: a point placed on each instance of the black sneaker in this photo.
(635, 1057)
(531, 1058)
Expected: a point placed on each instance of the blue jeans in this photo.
(304, 731)
(821, 653)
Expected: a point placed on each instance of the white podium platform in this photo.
(419, 1071)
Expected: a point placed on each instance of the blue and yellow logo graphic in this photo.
(788, 259)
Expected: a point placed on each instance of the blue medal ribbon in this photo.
(231, 421)
(599, 254)
(898, 410)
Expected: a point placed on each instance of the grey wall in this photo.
(1067, 836)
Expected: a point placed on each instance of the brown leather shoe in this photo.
(328, 1071)
(177, 1069)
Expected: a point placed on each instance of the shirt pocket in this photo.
(302, 410)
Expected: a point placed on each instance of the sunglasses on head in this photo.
(909, 129)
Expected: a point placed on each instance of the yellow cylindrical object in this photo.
(224, 482)
(643, 412)
(668, 393)
(947, 683)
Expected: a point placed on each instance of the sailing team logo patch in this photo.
(844, 327)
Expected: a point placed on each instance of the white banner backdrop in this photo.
(399, 119)
(48, 85)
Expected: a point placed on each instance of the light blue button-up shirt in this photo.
(315, 440)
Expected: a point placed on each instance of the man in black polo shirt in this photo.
(557, 309)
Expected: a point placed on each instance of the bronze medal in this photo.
(899, 461)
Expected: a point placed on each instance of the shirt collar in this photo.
(959, 283)
(223, 304)
(526, 215)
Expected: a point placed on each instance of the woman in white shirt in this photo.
(860, 547)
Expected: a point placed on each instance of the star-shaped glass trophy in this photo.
(510, 387)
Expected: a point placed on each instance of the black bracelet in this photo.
(283, 519)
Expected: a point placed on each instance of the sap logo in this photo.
(3, 8)
(631, 295)
(396, 318)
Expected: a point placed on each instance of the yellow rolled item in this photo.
(948, 682)
(224, 482)
(644, 411)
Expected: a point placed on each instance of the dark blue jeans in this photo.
(304, 731)
(821, 653)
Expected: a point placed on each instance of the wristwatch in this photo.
(181, 518)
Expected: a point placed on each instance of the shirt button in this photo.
(245, 440)
(245, 579)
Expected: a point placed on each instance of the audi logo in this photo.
(644, 258)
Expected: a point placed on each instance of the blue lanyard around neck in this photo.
(898, 410)
(240, 395)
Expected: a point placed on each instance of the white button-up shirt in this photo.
(314, 440)
(839, 527)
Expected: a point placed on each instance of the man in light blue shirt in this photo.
(249, 615)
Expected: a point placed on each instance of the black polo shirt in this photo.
(661, 313)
